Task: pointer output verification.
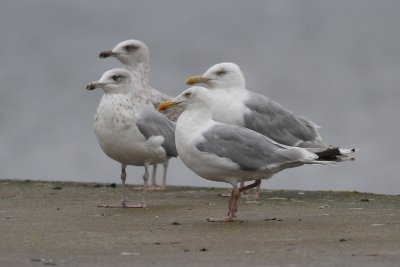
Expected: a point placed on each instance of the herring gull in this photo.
(232, 103)
(228, 153)
(134, 56)
(129, 131)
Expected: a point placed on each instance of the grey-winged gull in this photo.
(232, 103)
(228, 153)
(134, 56)
(128, 131)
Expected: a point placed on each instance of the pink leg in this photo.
(232, 207)
(233, 201)
(153, 185)
(254, 195)
(123, 203)
(241, 186)
(164, 181)
(247, 187)
(145, 180)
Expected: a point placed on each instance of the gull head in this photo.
(113, 81)
(220, 76)
(194, 97)
(129, 52)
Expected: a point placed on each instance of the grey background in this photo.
(335, 62)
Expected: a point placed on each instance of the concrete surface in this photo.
(59, 224)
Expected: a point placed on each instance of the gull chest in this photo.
(228, 107)
(116, 130)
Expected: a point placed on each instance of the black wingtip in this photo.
(329, 154)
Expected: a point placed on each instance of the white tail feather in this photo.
(346, 151)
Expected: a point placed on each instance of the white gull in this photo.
(134, 56)
(228, 153)
(128, 131)
(232, 103)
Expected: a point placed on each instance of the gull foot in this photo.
(157, 188)
(250, 196)
(225, 194)
(122, 205)
(226, 219)
(244, 196)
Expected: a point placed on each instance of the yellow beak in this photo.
(196, 79)
(166, 105)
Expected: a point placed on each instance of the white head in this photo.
(113, 82)
(222, 76)
(129, 52)
(194, 97)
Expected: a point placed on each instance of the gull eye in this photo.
(130, 48)
(116, 77)
(188, 94)
(221, 72)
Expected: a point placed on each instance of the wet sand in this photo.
(59, 224)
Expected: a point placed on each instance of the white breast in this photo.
(118, 135)
(228, 107)
(189, 133)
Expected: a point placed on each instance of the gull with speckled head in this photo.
(228, 153)
(134, 56)
(128, 131)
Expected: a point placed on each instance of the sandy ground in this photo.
(59, 224)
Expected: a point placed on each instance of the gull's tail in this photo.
(334, 154)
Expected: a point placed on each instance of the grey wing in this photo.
(281, 125)
(158, 97)
(250, 150)
(152, 123)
